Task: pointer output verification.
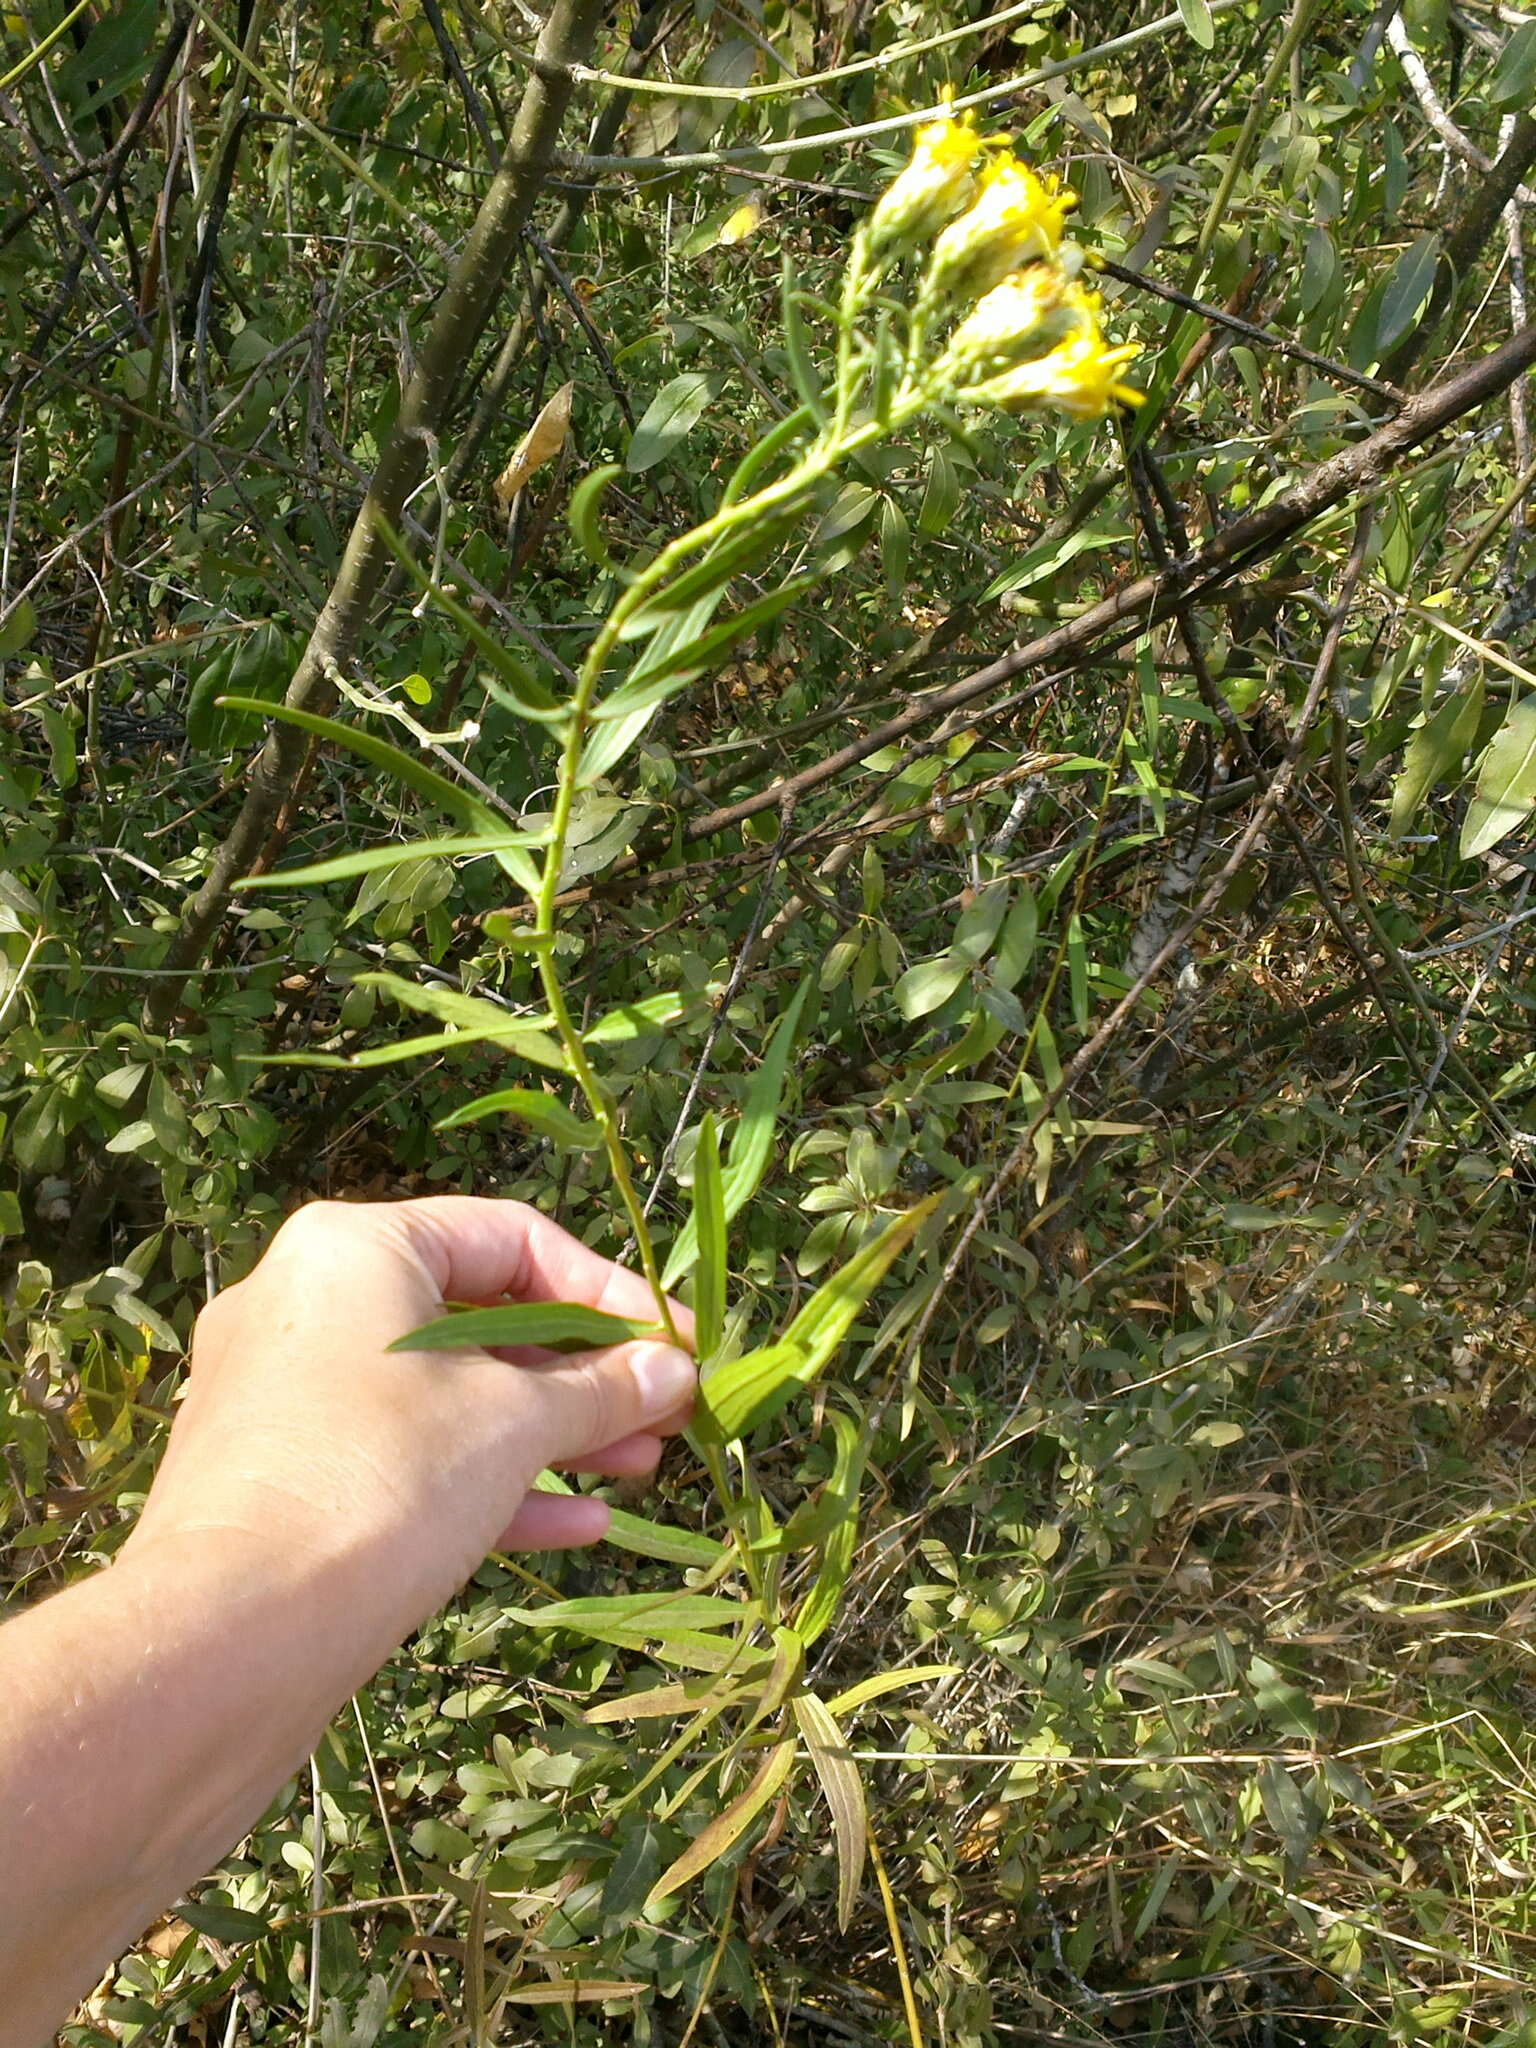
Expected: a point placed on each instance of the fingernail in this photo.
(665, 1376)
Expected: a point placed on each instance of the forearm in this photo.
(147, 1717)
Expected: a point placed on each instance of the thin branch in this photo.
(1264, 337)
(461, 314)
(769, 153)
(1127, 611)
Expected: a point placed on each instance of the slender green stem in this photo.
(824, 455)
(1301, 20)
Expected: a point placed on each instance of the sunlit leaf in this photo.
(543, 1113)
(751, 1390)
(1506, 782)
(752, 1145)
(551, 1325)
(843, 1789)
(713, 1840)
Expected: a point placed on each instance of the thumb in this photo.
(597, 1398)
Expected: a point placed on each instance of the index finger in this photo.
(479, 1248)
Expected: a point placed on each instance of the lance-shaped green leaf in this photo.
(797, 346)
(658, 1702)
(584, 511)
(883, 1682)
(1435, 749)
(652, 1539)
(470, 1018)
(635, 1618)
(426, 782)
(534, 1046)
(635, 1020)
(552, 1325)
(782, 1677)
(709, 1224)
(543, 1113)
(670, 417)
(525, 694)
(751, 1390)
(840, 1502)
(666, 668)
(753, 1140)
(345, 865)
(843, 1790)
(712, 1841)
(708, 576)
(647, 1539)
(1506, 783)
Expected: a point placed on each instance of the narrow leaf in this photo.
(685, 1696)
(1513, 85)
(727, 558)
(671, 415)
(753, 1141)
(642, 1617)
(426, 782)
(658, 676)
(345, 865)
(544, 1113)
(534, 1046)
(579, 1991)
(797, 347)
(585, 506)
(839, 1501)
(1408, 287)
(709, 1222)
(868, 1689)
(711, 1843)
(637, 1020)
(1435, 749)
(843, 1789)
(647, 1539)
(751, 1390)
(552, 1325)
(526, 695)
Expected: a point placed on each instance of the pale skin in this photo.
(319, 1499)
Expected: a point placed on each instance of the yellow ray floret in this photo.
(934, 186)
(1023, 316)
(1080, 377)
(1015, 217)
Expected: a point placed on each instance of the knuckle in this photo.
(595, 1404)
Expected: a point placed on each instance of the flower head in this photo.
(1015, 218)
(1023, 316)
(1080, 377)
(932, 188)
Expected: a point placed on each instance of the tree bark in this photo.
(461, 316)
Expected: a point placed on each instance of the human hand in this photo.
(302, 1437)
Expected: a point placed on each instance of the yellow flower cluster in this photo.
(933, 187)
(1016, 218)
(1032, 336)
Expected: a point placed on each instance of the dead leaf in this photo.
(542, 442)
(165, 1938)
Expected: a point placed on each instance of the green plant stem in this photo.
(819, 460)
(1301, 20)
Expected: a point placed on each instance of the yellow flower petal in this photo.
(935, 184)
(1016, 217)
(1080, 377)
